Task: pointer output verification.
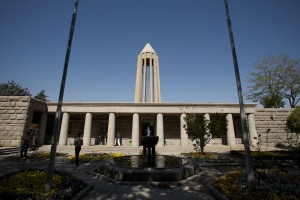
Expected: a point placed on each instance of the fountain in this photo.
(149, 143)
(148, 167)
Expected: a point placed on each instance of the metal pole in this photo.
(57, 122)
(249, 167)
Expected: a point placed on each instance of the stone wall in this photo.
(17, 115)
(271, 127)
(15, 118)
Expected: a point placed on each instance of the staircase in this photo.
(128, 150)
(9, 150)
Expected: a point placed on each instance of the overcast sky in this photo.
(190, 36)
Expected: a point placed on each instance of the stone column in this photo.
(252, 130)
(184, 138)
(135, 131)
(160, 130)
(156, 99)
(138, 81)
(64, 129)
(209, 136)
(151, 78)
(42, 129)
(158, 80)
(144, 77)
(87, 130)
(111, 130)
(230, 131)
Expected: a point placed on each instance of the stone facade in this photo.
(16, 117)
(19, 114)
(271, 127)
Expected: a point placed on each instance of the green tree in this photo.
(289, 76)
(275, 79)
(293, 124)
(202, 130)
(293, 121)
(41, 95)
(272, 102)
(12, 88)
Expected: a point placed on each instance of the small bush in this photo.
(293, 121)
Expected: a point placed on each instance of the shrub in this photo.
(293, 121)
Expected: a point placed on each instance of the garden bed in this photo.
(270, 155)
(208, 157)
(30, 184)
(270, 185)
(31, 155)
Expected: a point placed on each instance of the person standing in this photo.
(78, 142)
(34, 141)
(24, 146)
(118, 139)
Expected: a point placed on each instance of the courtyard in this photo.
(198, 186)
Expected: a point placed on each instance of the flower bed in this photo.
(95, 156)
(207, 157)
(33, 155)
(269, 186)
(30, 184)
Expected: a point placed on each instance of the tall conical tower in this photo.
(147, 84)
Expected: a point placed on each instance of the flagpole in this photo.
(57, 121)
(249, 167)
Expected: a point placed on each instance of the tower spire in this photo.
(147, 85)
(148, 48)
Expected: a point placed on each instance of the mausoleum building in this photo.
(100, 122)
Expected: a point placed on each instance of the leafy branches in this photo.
(202, 129)
(13, 88)
(293, 121)
(41, 95)
(275, 79)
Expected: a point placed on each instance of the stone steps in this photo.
(8, 150)
(166, 150)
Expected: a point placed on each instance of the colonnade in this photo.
(184, 139)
